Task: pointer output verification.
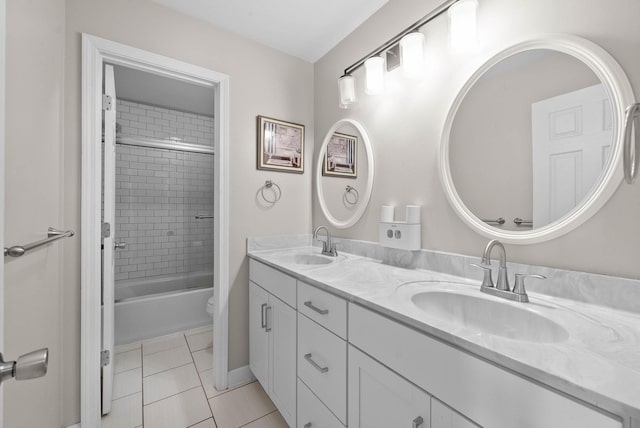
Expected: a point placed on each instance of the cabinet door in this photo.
(379, 398)
(281, 323)
(258, 336)
(443, 416)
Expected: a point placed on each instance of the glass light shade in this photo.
(463, 25)
(412, 54)
(374, 75)
(347, 86)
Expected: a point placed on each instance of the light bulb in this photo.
(412, 54)
(463, 26)
(374, 75)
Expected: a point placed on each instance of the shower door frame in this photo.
(95, 52)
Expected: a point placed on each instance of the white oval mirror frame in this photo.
(621, 94)
(365, 195)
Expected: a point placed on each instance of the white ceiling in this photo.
(307, 29)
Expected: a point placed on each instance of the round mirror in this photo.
(344, 173)
(532, 144)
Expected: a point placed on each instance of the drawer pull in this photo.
(417, 422)
(316, 365)
(266, 319)
(307, 425)
(263, 320)
(311, 306)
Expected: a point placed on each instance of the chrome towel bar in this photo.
(52, 235)
(203, 216)
(520, 222)
(496, 221)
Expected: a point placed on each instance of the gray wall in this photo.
(406, 123)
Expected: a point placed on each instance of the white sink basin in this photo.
(308, 259)
(490, 316)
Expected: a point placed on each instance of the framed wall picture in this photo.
(340, 159)
(280, 145)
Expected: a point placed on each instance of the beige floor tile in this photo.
(209, 423)
(125, 412)
(178, 411)
(200, 341)
(170, 382)
(199, 330)
(127, 383)
(128, 360)
(206, 377)
(124, 348)
(241, 406)
(165, 360)
(163, 343)
(272, 420)
(203, 359)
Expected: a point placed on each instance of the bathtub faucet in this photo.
(328, 249)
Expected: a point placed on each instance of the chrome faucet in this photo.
(328, 249)
(502, 288)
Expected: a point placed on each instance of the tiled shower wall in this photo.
(142, 120)
(158, 194)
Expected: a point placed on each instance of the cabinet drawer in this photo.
(275, 282)
(324, 308)
(468, 384)
(322, 365)
(312, 411)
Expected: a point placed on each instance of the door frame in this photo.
(3, 113)
(95, 52)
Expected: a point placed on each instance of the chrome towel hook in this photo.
(355, 196)
(277, 192)
(631, 149)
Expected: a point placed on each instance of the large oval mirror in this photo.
(344, 173)
(532, 144)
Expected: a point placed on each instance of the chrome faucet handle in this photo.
(518, 288)
(487, 280)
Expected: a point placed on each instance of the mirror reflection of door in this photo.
(571, 139)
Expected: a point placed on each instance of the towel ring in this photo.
(276, 194)
(631, 151)
(350, 190)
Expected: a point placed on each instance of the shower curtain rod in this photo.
(165, 144)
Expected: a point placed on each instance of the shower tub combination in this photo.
(151, 307)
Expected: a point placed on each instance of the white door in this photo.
(379, 398)
(109, 169)
(281, 321)
(571, 139)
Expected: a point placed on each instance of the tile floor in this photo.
(168, 383)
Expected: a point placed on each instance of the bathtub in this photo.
(150, 307)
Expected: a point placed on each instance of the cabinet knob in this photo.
(417, 422)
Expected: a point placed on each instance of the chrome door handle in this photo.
(311, 306)
(29, 366)
(119, 245)
(417, 422)
(317, 366)
(263, 320)
(266, 319)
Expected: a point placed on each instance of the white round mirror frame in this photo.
(366, 195)
(621, 94)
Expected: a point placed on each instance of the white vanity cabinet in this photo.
(483, 392)
(272, 336)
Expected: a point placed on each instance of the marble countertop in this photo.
(598, 363)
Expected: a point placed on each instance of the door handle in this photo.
(29, 366)
(119, 245)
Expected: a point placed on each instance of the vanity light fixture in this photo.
(411, 43)
(462, 26)
(374, 75)
(412, 54)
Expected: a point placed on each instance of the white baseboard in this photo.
(74, 426)
(240, 376)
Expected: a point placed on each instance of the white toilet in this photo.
(210, 306)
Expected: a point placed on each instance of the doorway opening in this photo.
(154, 207)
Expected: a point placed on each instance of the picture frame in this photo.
(280, 145)
(341, 156)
